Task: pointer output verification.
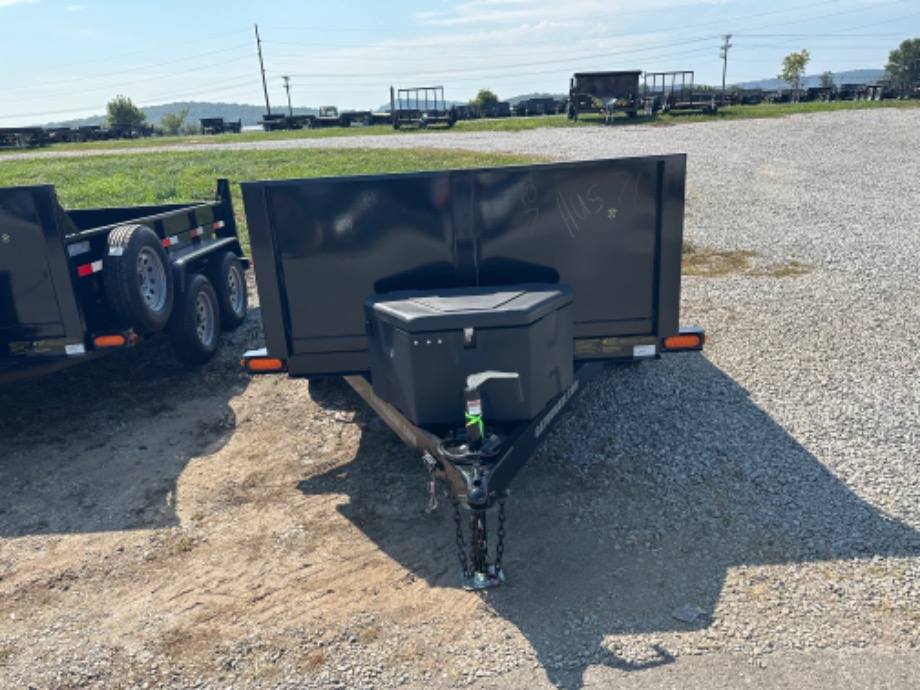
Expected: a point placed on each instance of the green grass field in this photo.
(170, 177)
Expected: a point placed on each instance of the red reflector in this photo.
(84, 270)
(682, 342)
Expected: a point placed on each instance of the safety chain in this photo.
(480, 540)
(430, 464)
(500, 544)
(479, 537)
(461, 549)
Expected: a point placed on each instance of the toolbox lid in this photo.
(447, 309)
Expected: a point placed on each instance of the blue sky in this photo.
(66, 58)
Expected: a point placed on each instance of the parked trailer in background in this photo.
(675, 92)
(77, 284)
(469, 308)
(617, 91)
(217, 125)
(22, 137)
(420, 106)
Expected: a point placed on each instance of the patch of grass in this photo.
(171, 544)
(711, 263)
(6, 653)
(175, 177)
(367, 633)
(911, 612)
(314, 660)
(783, 270)
(188, 643)
(715, 263)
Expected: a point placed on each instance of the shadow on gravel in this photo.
(99, 446)
(686, 479)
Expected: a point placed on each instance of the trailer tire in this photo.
(138, 279)
(226, 275)
(194, 328)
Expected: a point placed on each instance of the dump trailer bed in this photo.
(618, 91)
(497, 293)
(76, 284)
(611, 229)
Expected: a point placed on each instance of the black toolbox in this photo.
(423, 345)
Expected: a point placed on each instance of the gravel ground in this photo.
(767, 489)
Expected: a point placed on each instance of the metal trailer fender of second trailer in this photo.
(469, 308)
(75, 284)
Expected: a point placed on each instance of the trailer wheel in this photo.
(226, 275)
(138, 279)
(194, 328)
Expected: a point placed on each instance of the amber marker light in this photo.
(264, 364)
(109, 341)
(682, 342)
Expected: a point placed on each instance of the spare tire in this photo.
(138, 279)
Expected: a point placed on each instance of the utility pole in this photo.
(724, 55)
(287, 87)
(262, 66)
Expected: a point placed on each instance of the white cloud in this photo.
(10, 3)
(503, 11)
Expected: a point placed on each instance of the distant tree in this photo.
(121, 111)
(172, 124)
(794, 68)
(827, 80)
(190, 129)
(484, 98)
(904, 62)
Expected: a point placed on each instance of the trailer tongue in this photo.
(469, 308)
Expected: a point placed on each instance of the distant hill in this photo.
(514, 100)
(854, 76)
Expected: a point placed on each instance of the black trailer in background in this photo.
(605, 93)
(75, 284)
(607, 232)
(217, 125)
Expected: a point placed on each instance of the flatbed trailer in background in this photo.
(674, 92)
(421, 106)
(77, 284)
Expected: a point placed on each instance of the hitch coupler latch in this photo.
(475, 427)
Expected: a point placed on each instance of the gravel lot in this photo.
(770, 485)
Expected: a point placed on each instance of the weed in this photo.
(715, 263)
(315, 660)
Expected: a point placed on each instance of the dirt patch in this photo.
(165, 526)
(715, 263)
